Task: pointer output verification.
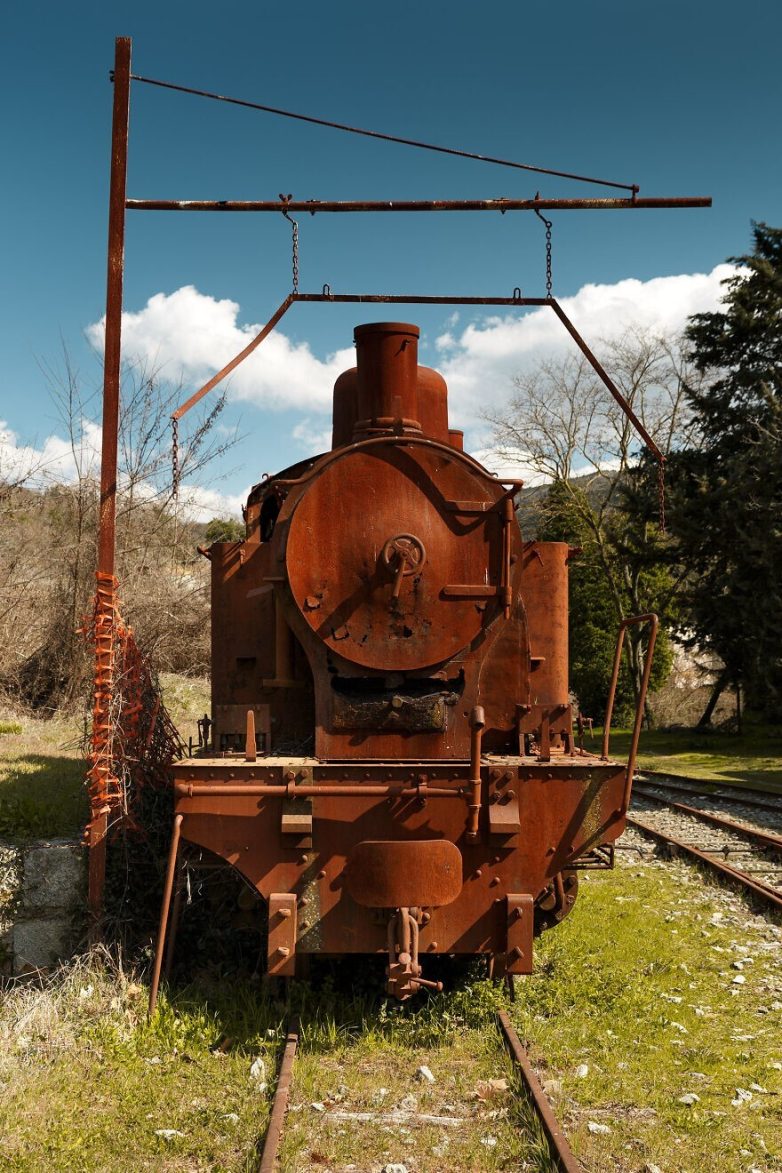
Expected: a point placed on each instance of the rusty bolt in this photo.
(285, 912)
(494, 881)
(311, 603)
(517, 914)
(425, 918)
(478, 873)
(322, 874)
(396, 702)
(290, 776)
(282, 950)
(516, 952)
(341, 633)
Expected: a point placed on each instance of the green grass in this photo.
(42, 792)
(637, 984)
(754, 758)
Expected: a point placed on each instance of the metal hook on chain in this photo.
(548, 224)
(295, 240)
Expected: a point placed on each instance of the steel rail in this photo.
(762, 838)
(561, 1151)
(764, 891)
(502, 205)
(727, 791)
(271, 1141)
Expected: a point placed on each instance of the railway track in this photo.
(701, 830)
(561, 1154)
(725, 795)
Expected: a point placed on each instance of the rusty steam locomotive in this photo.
(391, 761)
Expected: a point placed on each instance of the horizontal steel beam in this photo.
(500, 205)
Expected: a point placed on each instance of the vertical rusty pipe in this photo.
(654, 623)
(114, 276)
(477, 723)
(164, 910)
(506, 593)
(111, 378)
(620, 639)
(639, 712)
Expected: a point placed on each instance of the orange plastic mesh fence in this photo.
(133, 739)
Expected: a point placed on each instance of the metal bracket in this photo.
(296, 818)
(281, 959)
(504, 814)
(520, 919)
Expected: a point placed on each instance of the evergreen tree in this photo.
(728, 491)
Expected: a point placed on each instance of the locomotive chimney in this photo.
(387, 391)
(387, 378)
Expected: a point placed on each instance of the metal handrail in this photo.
(639, 712)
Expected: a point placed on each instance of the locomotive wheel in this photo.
(556, 901)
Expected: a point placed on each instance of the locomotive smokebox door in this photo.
(397, 571)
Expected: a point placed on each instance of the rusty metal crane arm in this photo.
(410, 299)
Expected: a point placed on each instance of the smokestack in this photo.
(387, 384)
(387, 391)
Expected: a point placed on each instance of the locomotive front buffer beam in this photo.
(377, 857)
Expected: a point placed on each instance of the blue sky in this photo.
(682, 98)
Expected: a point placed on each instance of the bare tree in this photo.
(47, 579)
(563, 423)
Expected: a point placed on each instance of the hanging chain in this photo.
(548, 223)
(175, 456)
(294, 242)
(661, 494)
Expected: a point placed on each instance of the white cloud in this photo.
(53, 461)
(189, 335)
(202, 504)
(312, 436)
(56, 462)
(480, 363)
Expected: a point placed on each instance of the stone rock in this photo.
(394, 1168)
(424, 1074)
(258, 1073)
(598, 1129)
(582, 1071)
(41, 943)
(689, 1098)
(54, 877)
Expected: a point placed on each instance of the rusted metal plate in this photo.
(520, 913)
(566, 807)
(334, 556)
(504, 818)
(282, 934)
(423, 873)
